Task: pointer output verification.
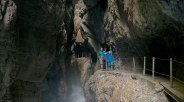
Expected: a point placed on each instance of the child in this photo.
(109, 60)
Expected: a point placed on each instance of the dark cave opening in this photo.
(103, 4)
(105, 45)
(165, 44)
(81, 51)
(159, 49)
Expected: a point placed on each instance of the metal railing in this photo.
(149, 65)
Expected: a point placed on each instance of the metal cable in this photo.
(149, 58)
(158, 73)
(162, 74)
(179, 62)
(162, 59)
(149, 70)
(178, 80)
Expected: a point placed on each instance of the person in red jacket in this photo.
(105, 58)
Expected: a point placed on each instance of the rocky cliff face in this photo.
(137, 28)
(133, 23)
(34, 36)
(8, 60)
(85, 67)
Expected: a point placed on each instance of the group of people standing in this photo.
(105, 59)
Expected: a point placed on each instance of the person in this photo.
(105, 58)
(109, 60)
(100, 57)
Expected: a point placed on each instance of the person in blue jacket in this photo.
(109, 60)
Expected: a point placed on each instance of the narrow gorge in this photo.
(49, 49)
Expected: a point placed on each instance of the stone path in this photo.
(177, 92)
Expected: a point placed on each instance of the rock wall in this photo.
(8, 47)
(34, 38)
(138, 22)
(137, 28)
(84, 67)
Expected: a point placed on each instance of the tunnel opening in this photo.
(159, 50)
(81, 51)
(105, 46)
(109, 47)
(165, 44)
(103, 4)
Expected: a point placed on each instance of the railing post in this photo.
(171, 74)
(134, 64)
(144, 69)
(153, 68)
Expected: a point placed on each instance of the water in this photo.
(77, 94)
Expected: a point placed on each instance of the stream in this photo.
(77, 94)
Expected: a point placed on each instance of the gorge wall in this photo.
(136, 28)
(38, 37)
(35, 39)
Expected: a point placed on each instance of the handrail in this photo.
(179, 62)
(153, 69)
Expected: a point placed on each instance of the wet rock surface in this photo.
(32, 37)
(85, 68)
(122, 87)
